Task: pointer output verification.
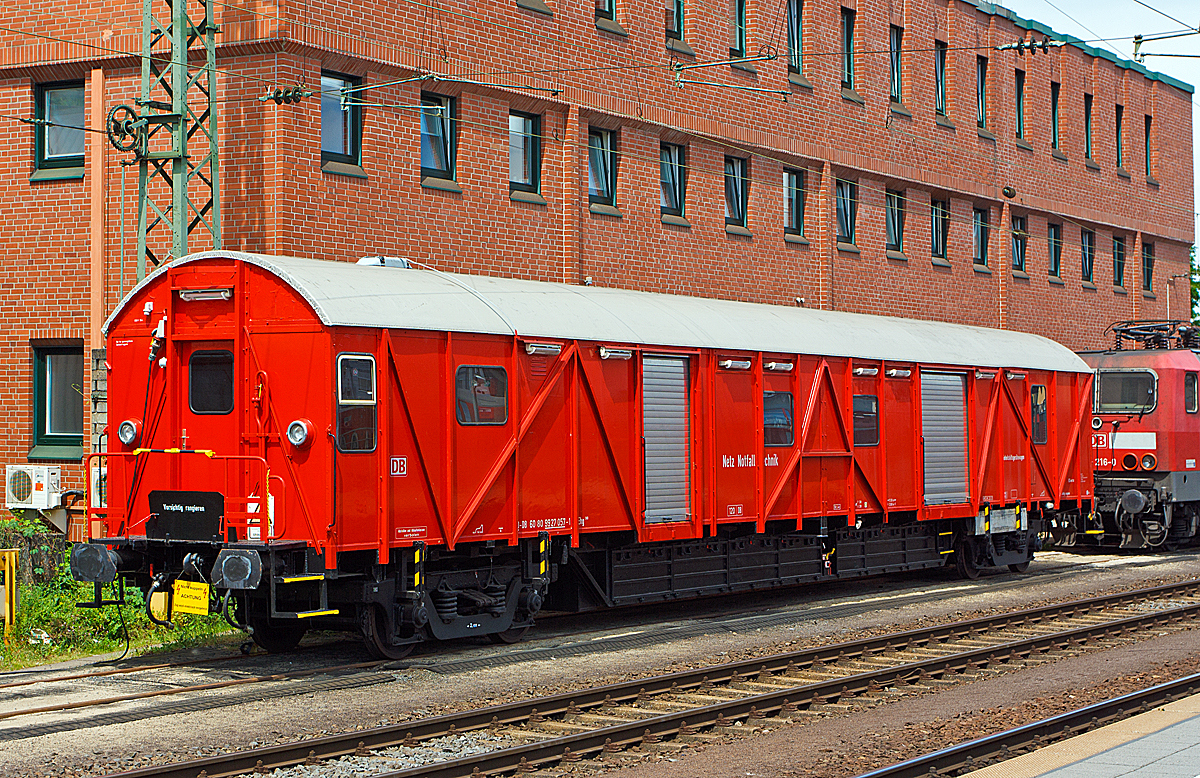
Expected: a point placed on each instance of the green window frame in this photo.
(341, 125)
(58, 420)
(58, 108)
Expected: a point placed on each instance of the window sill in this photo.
(1120, 290)
(739, 230)
(1089, 285)
(745, 67)
(849, 95)
(344, 169)
(678, 46)
(796, 240)
(849, 248)
(57, 174)
(1057, 281)
(60, 453)
(899, 256)
(521, 196)
(1149, 295)
(985, 134)
(943, 121)
(982, 270)
(1058, 155)
(1152, 181)
(798, 79)
(1020, 274)
(611, 25)
(1090, 165)
(1022, 144)
(441, 184)
(1123, 173)
(900, 110)
(535, 5)
(675, 221)
(602, 209)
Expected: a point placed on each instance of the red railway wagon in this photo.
(418, 455)
(1146, 438)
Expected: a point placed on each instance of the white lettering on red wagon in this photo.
(737, 460)
(399, 467)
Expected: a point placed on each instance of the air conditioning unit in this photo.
(32, 486)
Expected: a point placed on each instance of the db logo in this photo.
(399, 466)
(1099, 440)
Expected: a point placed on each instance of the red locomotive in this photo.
(1146, 436)
(417, 455)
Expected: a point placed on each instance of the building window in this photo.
(58, 396)
(939, 78)
(866, 420)
(895, 220)
(1147, 266)
(847, 48)
(341, 119)
(524, 152)
(481, 396)
(356, 402)
(674, 179)
(737, 28)
(1037, 413)
(602, 168)
(979, 236)
(793, 201)
(1087, 126)
(1020, 103)
(847, 210)
(1054, 87)
(1020, 242)
(605, 8)
(736, 190)
(778, 419)
(1120, 136)
(981, 91)
(939, 227)
(59, 140)
(795, 33)
(674, 19)
(1054, 235)
(895, 42)
(1118, 261)
(210, 382)
(1087, 254)
(1149, 127)
(437, 136)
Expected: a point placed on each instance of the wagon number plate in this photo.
(190, 597)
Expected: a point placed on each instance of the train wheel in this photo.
(376, 640)
(277, 639)
(1019, 567)
(508, 636)
(964, 560)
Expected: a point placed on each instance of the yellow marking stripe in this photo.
(310, 614)
(295, 578)
(1093, 532)
(951, 551)
(944, 534)
(416, 579)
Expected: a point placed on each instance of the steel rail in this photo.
(332, 746)
(1000, 746)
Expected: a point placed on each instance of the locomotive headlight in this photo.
(300, 433)
(129, 431)
(1149, 461)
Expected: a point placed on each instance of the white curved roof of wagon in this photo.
(369, 296)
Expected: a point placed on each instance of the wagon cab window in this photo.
(866, 420)
(1189, 393)
(210, 382)
(356, 403)
(481, 395)
(778, 419)
(1126, 391)
(1037, 413)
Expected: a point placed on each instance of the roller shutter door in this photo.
(944, 429)
(666, 429)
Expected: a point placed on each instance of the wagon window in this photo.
(481, 395)
(1189, 392)
(356, 403)
(210, 382)
(1126, 391)
(778, 419)
(866, 420)
(1037, 413)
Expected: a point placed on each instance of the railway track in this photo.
(668, 711)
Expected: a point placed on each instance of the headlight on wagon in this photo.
(129, 431)
(1149, 462)
(300, 433)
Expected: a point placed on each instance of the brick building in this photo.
(888, 159)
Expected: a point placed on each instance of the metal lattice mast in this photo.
(176, 148)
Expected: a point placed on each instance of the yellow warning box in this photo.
(190, 597)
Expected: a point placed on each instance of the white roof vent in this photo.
(382, 261)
